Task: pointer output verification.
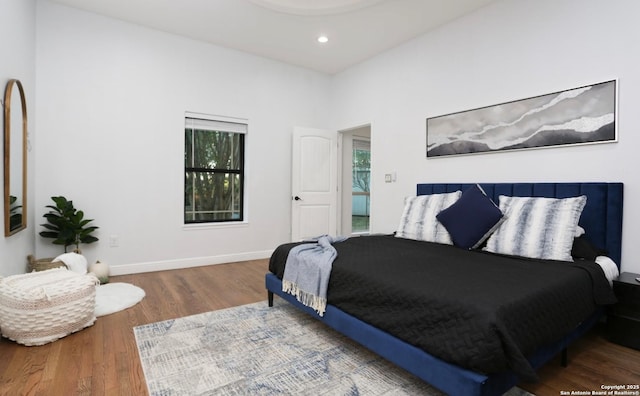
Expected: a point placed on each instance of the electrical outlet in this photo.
(390, 177)
(114, 241)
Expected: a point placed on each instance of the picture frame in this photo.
(582, 115)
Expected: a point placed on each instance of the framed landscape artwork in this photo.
(575, 116)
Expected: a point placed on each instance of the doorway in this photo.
(355, 199)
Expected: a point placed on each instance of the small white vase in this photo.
(101, 271)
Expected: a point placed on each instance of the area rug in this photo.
(114, 297)
(257, 350)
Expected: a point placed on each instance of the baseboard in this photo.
(151, 266)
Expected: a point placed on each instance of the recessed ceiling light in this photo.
(323, 39)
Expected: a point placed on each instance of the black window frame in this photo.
(240, 170)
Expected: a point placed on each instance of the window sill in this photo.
(213, 226)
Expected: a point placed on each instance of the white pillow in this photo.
(419, 221)
(535, 227)
(609, 267)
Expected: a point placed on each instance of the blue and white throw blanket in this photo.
(307, 271)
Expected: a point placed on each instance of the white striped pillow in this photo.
(536, 227)
(419, 221)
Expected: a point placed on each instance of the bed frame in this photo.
(602, 221)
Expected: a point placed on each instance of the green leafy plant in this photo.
(67, 225)
(15, 215)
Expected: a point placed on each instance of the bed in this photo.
(516, 354)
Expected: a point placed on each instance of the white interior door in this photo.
(314, 183)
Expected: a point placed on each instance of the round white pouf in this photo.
(40, 307)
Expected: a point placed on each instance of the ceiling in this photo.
(287, 30)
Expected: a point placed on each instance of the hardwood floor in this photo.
(103, 359)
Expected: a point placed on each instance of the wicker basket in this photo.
(43, 264)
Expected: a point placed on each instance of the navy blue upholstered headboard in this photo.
(601, 217)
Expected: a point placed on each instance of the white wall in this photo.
(510, 50)
(17, 46)
(111, 99)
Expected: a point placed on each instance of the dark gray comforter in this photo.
(481, 311)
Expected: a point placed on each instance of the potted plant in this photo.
(67, 225)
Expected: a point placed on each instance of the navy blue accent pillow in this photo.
(471, 219)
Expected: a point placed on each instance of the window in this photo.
(213, 170)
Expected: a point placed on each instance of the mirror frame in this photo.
(7, 157)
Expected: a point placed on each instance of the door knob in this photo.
(297, 198)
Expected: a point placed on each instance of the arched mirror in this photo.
(15, 158)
